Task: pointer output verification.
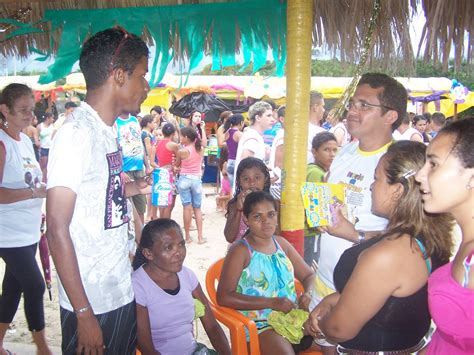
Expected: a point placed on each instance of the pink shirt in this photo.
(193, 164)
(452, 309)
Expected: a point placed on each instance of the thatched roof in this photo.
(341, 25)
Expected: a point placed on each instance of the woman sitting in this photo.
(259, 270)
(164, 291)
(381, 299)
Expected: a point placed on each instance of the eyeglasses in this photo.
(363, 106)
(126, 35)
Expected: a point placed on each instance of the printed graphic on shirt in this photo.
(130, 140)
(354, 194)
(115, 204)
(33, 175)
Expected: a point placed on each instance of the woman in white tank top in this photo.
(21, 198)
(45, 133)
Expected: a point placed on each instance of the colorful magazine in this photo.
(320, 199)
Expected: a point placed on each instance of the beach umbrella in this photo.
(44, 256)
(198, 101)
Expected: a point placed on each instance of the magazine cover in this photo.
(319, 200)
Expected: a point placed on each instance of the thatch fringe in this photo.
(447, 23)
(339, 25)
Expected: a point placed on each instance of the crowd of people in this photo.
(375, 280)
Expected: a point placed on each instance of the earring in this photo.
(468, 186)
(5, 124)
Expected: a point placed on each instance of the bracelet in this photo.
(84, 309)
(32, 192)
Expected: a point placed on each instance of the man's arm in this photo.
(247, 153)
(60, 203)
(139, 186)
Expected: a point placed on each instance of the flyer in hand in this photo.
(320, 199)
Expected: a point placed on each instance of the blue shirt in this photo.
(269, 134)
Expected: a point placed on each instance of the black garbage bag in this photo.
(198, 101)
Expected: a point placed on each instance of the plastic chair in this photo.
(233, 317)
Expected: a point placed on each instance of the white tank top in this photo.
(45, 135)
(20, 221)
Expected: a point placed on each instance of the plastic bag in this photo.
(289, 325)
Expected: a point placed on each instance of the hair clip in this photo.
(408, 174)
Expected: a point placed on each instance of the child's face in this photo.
(168, 251)
(325, 154)
(151, 126)
(421, 126)
(184, 140)
(262, 219)
(159, 134)
(252, 179)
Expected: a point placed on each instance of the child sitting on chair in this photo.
(165, 291)
(259, 271)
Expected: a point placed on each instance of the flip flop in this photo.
(202, 241)
(189, 241)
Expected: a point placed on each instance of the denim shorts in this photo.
(190, 190)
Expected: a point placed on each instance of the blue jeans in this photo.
(231, 171)
(190, 190)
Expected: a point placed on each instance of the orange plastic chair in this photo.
(234, 318)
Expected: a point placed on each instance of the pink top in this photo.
(226, 189)
(452, 309)
(242, 229)
(192, 165)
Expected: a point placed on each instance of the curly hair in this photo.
(258, 109)
(402, 160)
(108, 50)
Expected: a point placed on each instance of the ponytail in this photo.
(190, 133)
(197, 144)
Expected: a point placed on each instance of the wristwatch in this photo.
(361, 236)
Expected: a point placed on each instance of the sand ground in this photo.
(198, 259)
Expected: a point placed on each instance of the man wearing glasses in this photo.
(86, 200)
(373, 113)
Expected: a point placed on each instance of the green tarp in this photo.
(250, 26)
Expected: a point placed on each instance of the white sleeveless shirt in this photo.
(20, 221)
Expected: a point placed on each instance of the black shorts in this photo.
(119, 330)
